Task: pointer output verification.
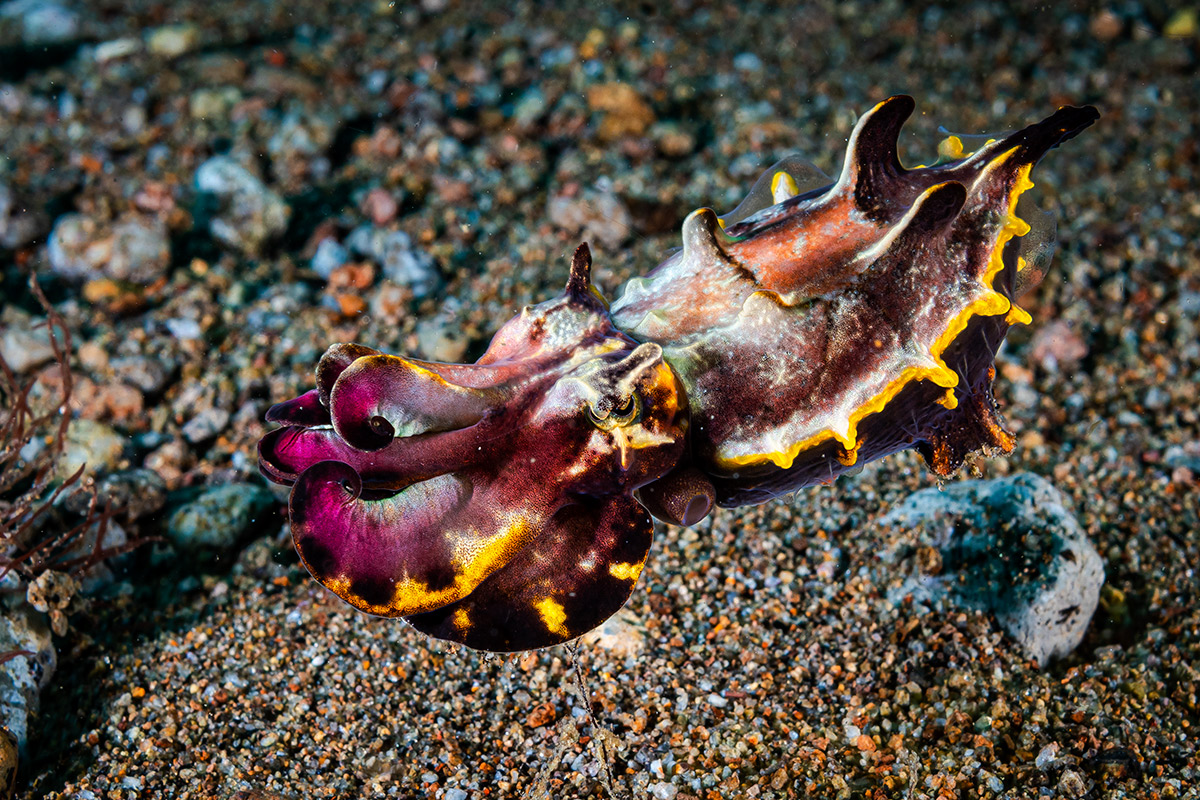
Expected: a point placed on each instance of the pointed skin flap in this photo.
(872, 160)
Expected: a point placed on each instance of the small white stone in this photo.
(173, 40)
(25, 347)
(330, 255)
(1047, 756)
(663, 791)
(116, 48)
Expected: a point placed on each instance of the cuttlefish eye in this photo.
(625, 414)
(381, 428)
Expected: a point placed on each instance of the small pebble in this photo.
(380, 206)
(598, 216)
(250, 213)
(25, 344)
(173, 40)
(329, 255)
(135, 249)
(205, 425)
(92, 445)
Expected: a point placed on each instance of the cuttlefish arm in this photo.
(459, 496)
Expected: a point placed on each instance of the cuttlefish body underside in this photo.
(506, 504)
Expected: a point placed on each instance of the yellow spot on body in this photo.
(992, 303)
(623, 445)
(783, 186)
(412, 593)
(473, 561)
(461, 620)
(553, 616)
(339, 586)
(417, 369)
(625, 570)
(951, 148)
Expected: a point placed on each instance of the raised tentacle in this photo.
(306, 410)
(334, 362)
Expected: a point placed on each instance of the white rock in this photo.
(135, 248)
(173, 40)
(42, 22)
(601, 216)
(1009, 546)
(663, 791)
(622, 634)
(26, 345)
(116, 48)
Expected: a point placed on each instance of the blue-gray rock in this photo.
(250, 214)
(217, 518)
(1008, 546)
(1187, 455)
(330, 255)
(205, 425)
(529, 108)
(148, 374)
(23, 678)
(42, 22)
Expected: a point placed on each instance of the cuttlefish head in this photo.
(490, 504)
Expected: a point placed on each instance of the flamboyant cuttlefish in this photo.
(506, 504)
